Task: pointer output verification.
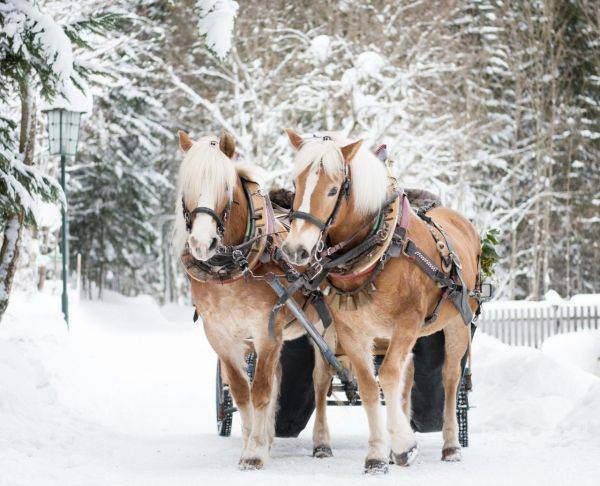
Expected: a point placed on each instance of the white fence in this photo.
(530, 325)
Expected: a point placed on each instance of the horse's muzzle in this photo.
(297, 255)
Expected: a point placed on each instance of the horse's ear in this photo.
(295, 139)
(185, 142)
(227, 144)
(350, 150)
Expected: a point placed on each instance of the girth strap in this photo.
(425, 263)
(456, 292)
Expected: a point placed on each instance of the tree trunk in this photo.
(9, 254)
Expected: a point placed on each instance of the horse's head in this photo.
(207, 178)
(322, 181)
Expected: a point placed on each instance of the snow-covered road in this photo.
(127, 397)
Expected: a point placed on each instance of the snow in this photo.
(216, 23)
(127, 397)
(370, 63)
(581, 349)
(23, 15)
(72, 98)
(321, 47)
(552, 298)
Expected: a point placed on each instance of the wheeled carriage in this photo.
(297, 401)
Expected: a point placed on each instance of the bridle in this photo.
(220, 220)
(343, 194)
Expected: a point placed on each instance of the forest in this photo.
(493, 105)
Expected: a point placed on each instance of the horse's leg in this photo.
(240, 388)
(265, 388)
(322, 382)
(392, 375)
(409, 378)
(231, 352)
(456, 337)
(358, 348)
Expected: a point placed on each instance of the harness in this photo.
(387, 240)
(234, 262)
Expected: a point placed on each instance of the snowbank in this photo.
(520, 388)
(581, 349)
(127, 397)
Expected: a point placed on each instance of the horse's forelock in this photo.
(368, 173)
(205, 174)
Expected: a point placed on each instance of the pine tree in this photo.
(36, 55)
(118, 185)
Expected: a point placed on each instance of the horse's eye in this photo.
(213, 143)
(332, 192)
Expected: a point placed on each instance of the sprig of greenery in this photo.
(489, 255)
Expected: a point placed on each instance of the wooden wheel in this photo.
(224, 403)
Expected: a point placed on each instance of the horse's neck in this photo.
(235, 227)
(347, 224)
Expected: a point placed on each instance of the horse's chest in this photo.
(231, 307)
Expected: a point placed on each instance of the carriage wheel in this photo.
(462, 412)
(225, 406)
(250, 365)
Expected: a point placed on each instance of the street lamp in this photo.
(63, 134)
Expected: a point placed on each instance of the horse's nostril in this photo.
(213, 244)
(303, 253)
(285, 249)
(193, 242)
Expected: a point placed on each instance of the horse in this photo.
(340, 190)
(214, 197)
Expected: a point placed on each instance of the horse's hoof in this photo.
(452, 454)
(376, 466)
(322, 451)
(251, 464)
(405, 458)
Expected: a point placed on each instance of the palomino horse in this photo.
(216, 199)
(340, 189)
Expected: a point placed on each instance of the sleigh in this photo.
(297, 400)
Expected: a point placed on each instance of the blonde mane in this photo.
(368, 174)
(206, 176)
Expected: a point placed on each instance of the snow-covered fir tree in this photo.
(36, 55)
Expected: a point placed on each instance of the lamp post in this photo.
(63, 134)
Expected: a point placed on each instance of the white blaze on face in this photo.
(306, 234)
(203, 232)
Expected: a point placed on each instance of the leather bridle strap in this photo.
(344, 193)
(308, 217)
(212, 214)
(189, 216)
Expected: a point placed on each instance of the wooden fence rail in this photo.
(530, 326)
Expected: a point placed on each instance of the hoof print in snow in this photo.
(376, 466)
(452, 454)
(404, 458)
(322, 452)
(251, 464)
